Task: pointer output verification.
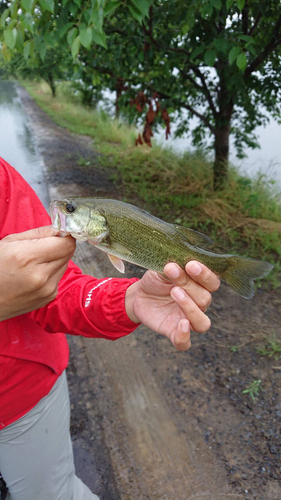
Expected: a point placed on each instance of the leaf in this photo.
(233, 54)
(10, 37)
(247, 38)
(27, 22)
(207, 9)
(135, 13)
(240, 4)
(43, 50)
(221, 45)
(197, 51)
(47, 5)
(110, 7)
(75, 47)
(210, 57)
(19, 40)
(64, 29)
(27, 5)
(185, 28)
(242, 61)
(142, 6)
(71, 35)
(26, 50)
(86, 37)
(99, 38)
(229, 4)
(216, 4)
(6, 53)
(97, 19)
(4, 16)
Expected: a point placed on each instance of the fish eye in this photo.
(69, 207)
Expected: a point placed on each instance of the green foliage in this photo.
(270, 348)
(216, 60)
(253, 389)
(56, 65)
(51, 22)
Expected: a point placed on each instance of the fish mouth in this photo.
(58, 219)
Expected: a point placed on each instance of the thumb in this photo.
(33, 234)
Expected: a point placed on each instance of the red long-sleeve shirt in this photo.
(33, 346)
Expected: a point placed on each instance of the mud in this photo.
(149, 422)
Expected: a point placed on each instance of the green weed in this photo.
(271, 348)
(253, 389)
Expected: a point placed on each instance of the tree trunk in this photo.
(223, 120)
(221, 156)
(51, 82)
(119, 87)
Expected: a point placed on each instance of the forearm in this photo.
(87, 306)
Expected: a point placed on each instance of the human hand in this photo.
(31, 266)
(173, 307)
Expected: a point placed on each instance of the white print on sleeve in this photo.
(89, 296)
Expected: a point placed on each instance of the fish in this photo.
(128, 233)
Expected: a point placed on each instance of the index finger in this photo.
(54, 248)
(202, 275)
(33, 234)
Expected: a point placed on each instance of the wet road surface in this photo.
(17, 145)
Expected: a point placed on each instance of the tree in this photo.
(217, 60)
(56, 66)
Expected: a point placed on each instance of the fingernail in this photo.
(178, 293)
(174, 272)
(185, 326)
(195, 269)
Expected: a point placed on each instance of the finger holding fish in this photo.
(198, 320)
(197, 281)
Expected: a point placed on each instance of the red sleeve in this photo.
(84, 305)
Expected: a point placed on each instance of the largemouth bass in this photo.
(128, 233)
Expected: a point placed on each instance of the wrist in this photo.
(130, 296)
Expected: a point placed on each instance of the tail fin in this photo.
(242, 272)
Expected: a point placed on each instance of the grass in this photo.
(243, 218)
(253, 389)
(270, 348)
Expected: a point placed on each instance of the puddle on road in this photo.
(17, 145)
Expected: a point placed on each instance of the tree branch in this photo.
(245, 18)
(189, 108)
(196, 70)
(253, 28)
(272, 44)
(199, 115)
(204, 89)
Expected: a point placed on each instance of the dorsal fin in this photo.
(194, 237)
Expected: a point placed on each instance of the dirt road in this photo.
(149, 422)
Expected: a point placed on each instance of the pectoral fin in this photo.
(120, 248)
(194, 237)
(97, 239)
(117, 263)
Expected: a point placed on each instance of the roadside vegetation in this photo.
(244, 217)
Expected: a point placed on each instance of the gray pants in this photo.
(36, 457)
